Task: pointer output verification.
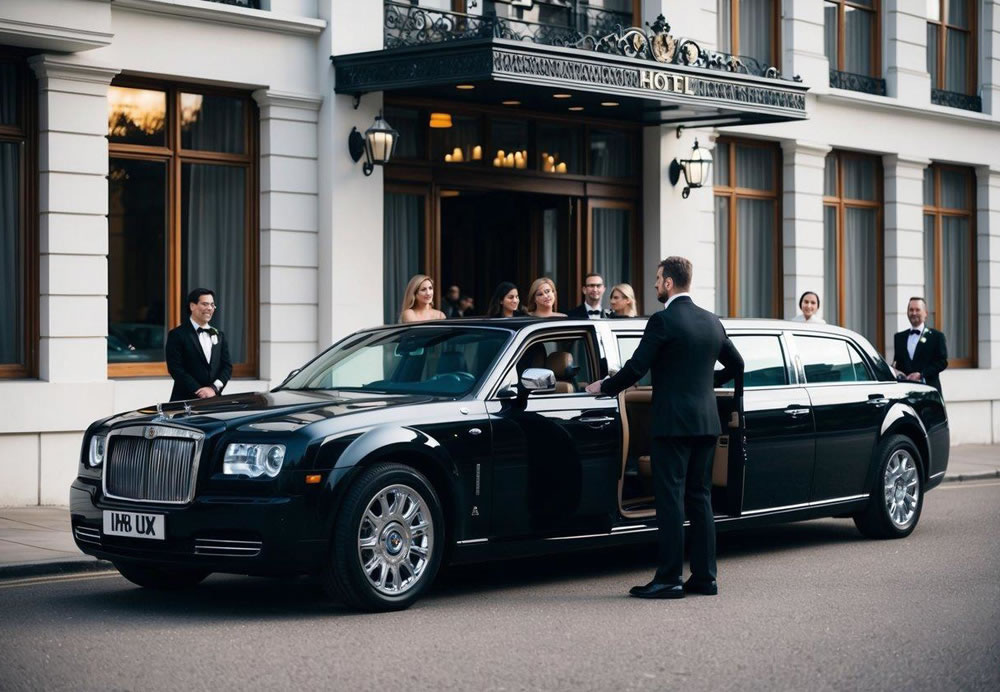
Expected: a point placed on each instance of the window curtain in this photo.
(956, 62)
(722, 255)
(550, 244)
(755, 219)
(859, 27)
(830, 14)
(932, 55)
(612, 251)
(11, 290)
(829, 308)
(956, 261)
(213, 201)
(725, 26)
(402, 232)
(861, 272)
(757, 30)
(930, 262)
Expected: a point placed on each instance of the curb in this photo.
(46, 569)
(975, 476)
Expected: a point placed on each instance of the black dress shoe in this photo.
(705, 588)
(656, 589)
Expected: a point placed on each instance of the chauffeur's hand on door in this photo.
(595, 387)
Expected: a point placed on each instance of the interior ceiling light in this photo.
(609, 103)
(562, 96)
(440, 120)
(511, 102)
(465, 87)
(576, 108)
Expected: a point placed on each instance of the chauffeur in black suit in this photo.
(920, 352)
(197, 354)
(680, 345)
(593, 290)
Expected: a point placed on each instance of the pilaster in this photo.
(905, 55)
(802, 43)
(988, 265)
(802, 221)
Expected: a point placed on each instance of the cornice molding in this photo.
(262, 20)
(48, 67)
(286, 99)
(60, 37)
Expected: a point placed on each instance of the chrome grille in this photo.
(152, 463)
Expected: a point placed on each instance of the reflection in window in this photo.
(137, 116)
(11, 255)
(764, 361)
(137, 251)
(826, 360)
(211, 122)
(611, 154)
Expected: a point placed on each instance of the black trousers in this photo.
(682, 483)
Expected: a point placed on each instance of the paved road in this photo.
(805, 606)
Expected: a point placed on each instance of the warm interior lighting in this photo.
(511, 159)
(562, 96)
(511, 102)
(550, 163)
(465, 87)
(449, 193)
(576, 108)
(609, 104)
(440, 120)
(477, 153)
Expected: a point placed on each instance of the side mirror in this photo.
(538, 380)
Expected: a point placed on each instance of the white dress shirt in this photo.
(912, 339)
(206, 347)
(675, 297)
(593, 307)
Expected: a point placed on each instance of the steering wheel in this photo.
(460, 377)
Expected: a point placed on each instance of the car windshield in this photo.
(444, 361)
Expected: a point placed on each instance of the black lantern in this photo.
(695, 169)
(377, 144)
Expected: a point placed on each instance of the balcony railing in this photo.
(593, 29)
(955, 100)
(857, 82)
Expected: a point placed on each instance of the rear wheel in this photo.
(161, 578)
(388, 540)
(896, 500)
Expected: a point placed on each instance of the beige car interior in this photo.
(635, 405)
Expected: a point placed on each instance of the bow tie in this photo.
(207, 330)
(593, 312)
(915, 331)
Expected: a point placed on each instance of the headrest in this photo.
(561, 364)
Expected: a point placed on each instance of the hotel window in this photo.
(181, 215)
(852, 248)
(18, 211)
(747, 232)
(851, 43)
(750, 29)
(950, 259)
(951, 53)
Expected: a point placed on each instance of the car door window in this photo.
(826, 360)
(763, 358)
(861, 373)
(626, 347)
(568, 357)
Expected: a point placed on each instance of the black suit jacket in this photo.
(187, 365)
(680, 346)
(930, 356)
(580, 312)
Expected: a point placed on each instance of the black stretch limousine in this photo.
(403, 446)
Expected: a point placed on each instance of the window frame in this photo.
(851, 348)
(972, 55)
(791, 375)
(174, 156)
(876, 47)
(734, 31)
(841, 204)
(587, 335)
(938, 212)
(734, 193)
(25, 133)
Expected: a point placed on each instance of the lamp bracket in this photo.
(675, 171)
(357, 101)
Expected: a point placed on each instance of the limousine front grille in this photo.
(226, 547)
(152, 463)
(85, 534)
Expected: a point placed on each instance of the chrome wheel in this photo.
(395, 539)
(901, 485)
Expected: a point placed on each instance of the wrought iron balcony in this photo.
(857, 82)
(955, 100)
(593, 29)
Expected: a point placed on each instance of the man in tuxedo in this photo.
(920, 352)
(680, 345)
(197, 354)
(593, 290)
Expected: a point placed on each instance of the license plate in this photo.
(134, 524)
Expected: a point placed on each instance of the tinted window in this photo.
(829, 360)
(861, 373)
(764, 361)
(568, 357)
(626, 347)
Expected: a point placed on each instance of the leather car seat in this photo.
(561, 365)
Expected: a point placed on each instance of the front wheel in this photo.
(388, 541)
(897, 498)
(161, 578)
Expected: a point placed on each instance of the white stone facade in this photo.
(320, 219)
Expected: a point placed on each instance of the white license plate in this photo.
(134, 524)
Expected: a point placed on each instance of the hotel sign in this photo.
(661, 81)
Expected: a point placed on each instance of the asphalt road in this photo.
(803, 606)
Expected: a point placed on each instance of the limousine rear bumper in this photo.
(262, 536)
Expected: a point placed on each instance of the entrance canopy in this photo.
(638, 75)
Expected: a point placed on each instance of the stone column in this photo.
(289, 230)
(802, 221)
(802, 43)
(906, 76)
(989, 42)
(988, 265)
(73, 208)
(904, 238)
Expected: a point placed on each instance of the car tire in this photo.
(897, 497)
(388, 540)
(161, 578)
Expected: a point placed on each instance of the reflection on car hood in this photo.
(283, 410)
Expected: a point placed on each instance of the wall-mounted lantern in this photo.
(377, 144)
(695, 169)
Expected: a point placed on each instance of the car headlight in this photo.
(98, 446)
(254, 460)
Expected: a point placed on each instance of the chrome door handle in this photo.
(795, 412)
(878, 401)
(601, 420)
(475, 431)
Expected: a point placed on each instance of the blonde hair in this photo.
(535, 286)
(410, 293)
(629, 294)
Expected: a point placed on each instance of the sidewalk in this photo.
(36, 541)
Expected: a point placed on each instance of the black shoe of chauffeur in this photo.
(705, 587)
(655, 589)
